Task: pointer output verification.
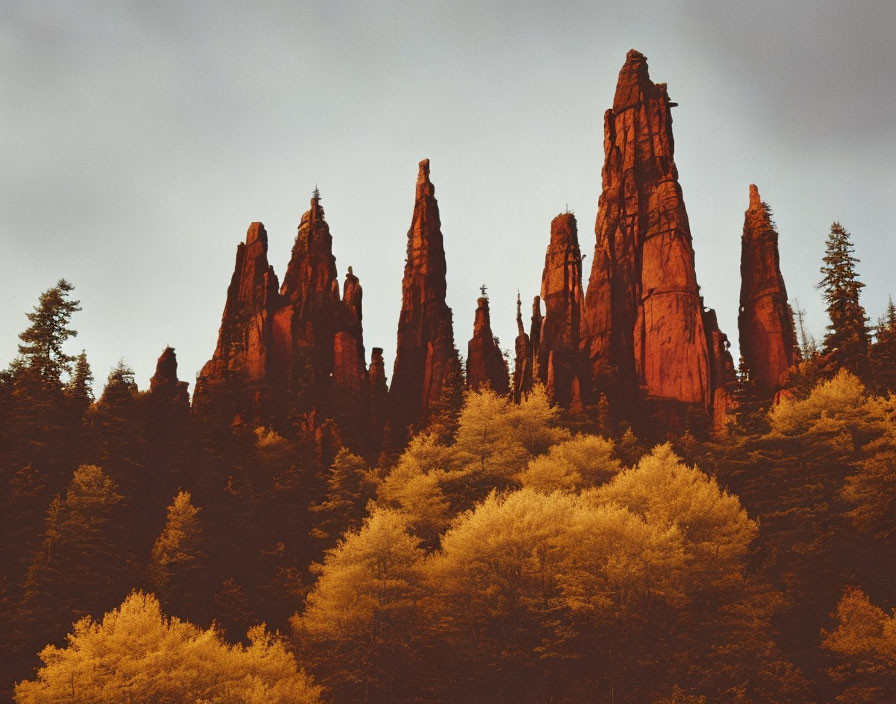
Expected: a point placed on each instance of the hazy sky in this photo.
(140, 139)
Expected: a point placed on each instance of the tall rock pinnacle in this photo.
(765, 321)
(425, 356)
(486, 365)
(561, 366)
(235, 382)
(523, 362)
(644, 332)
(164, 386)
(294, 353)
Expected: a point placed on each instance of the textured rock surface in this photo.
(765, 321)
(236, 380)
(523, 361)
(723, 377)
(425, 354)
(164, 385)
(643, 320)
(561, 365)
(293, 356)
(486, 366)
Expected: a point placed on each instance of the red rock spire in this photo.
(523, 362)
(765, 322)
(425, 354)
(235, 381)
(560, 363)
(643, 321)
(486, 366)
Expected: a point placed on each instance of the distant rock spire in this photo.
(561, 366)
(522, 367)
(765, 322)
(486, 366)
(425, 355)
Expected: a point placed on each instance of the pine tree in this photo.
(80, 567)
(80, 386)
(42, 342)
(178, 558)
(847, 338)
(883, 351)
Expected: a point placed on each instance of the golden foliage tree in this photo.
(136, 654)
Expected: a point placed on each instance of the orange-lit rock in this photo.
(425, 356)
(294, 353)
(643, 323)
(722, 373)
(523, 361)
(765, 321)
(486, 366)
(236, 380)
(561, 365)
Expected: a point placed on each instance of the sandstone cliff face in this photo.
(235, 382)
(765, 322)
(164, 386)
(561, 365)
(297, 353)
(486, 366)
(425, 355)
(643, 323)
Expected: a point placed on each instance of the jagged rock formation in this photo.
(765, 321)
(235, 382)
(282, 355)
(644, 331)
(523, 362)
(379, 395)
(425, 356)
(561, 365)
(164, 386)
(723, 376)
(486, 366)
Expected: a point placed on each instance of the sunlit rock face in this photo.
(765, 321)
(643, 322)
(486, 366)
(236, 382)
(425, 355)
(561, 366)
(295, 354)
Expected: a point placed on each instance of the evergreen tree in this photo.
(80, 386)
(80, 568)
(42, 342)
(178, 558)
(883, 352)
(847, 337)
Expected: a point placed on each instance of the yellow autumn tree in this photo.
(580, 462)
(136, 654)
(359, 620)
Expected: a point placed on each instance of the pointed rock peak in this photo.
(166, 369)
(424, 185)
(564, 229)
(257, 233)
(423, 173)
(482, 319)
(755, 200)
(634, 82)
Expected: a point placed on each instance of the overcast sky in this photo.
(140, 139)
